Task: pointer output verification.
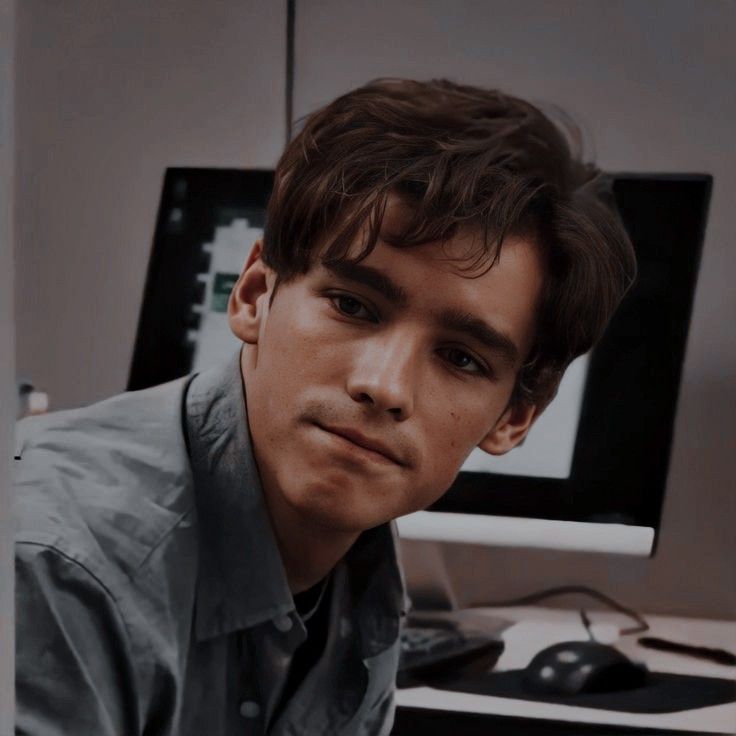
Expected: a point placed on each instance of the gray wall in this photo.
(110, 93)
(7, 363)
(652, 84)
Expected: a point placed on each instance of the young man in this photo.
(214, 556)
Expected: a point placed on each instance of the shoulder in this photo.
(87, 654)
(105, 484)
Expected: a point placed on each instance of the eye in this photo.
(463, 361)
(351, 307)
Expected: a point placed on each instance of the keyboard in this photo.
(431, 653)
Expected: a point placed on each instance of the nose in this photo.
(384, 377)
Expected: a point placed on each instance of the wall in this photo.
(7, 363)
(109, 94)
(652, 85)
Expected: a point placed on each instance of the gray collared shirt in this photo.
(151, 597)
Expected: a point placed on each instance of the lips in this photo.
(367, 443)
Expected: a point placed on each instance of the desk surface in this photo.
(535, 628)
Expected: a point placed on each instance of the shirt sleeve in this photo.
(74, 672)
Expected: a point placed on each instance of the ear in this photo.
(511, 428)
(247, 307)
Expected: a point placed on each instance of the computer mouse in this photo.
(575, 667)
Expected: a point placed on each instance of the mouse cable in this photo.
(642, 625)
(587, 623)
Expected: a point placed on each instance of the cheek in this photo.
(454, 433)
(461, 423)
(290, 345)
(296, 357)
(452, 430)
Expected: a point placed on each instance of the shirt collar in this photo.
(241, 579)
(378, 588)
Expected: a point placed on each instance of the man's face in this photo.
(368, 385)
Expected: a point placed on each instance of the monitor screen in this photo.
(547, 451)
(592, 473)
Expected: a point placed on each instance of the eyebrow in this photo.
(477, 329)
(372, 278)
(452, 320)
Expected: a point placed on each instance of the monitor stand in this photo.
(432, 596)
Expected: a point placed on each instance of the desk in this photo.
(534, 628)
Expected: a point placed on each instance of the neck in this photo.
(308, 551)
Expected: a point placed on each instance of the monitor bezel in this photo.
(162, 351)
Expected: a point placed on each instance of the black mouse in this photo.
(575, 667)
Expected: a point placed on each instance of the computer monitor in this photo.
(593, 471)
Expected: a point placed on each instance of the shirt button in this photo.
(346, 627)
(250, 709)
(283, 623)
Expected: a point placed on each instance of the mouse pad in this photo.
(663, 693)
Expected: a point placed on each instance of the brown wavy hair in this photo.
(460, 156)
